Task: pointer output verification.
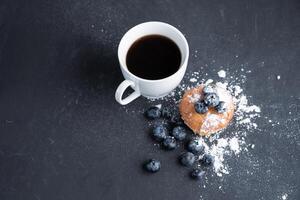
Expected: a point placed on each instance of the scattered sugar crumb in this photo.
(284, 196)
(222, 74)
(234, 145)
(209, 81)
(278, 77)
(245, 121)
(158, 106)
(193, 80)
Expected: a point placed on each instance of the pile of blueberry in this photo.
(171, 136)
(211, 99)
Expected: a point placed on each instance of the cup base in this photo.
(155, 98)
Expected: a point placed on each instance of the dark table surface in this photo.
(63, 136)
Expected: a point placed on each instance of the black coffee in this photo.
(153, 57)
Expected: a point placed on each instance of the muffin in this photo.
(207, 109)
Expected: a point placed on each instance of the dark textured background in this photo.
(63, 136)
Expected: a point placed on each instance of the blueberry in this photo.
(166, 113)
(169, 143)
(208, 89)
(187, 159)
(201, 107)
(197, 174)
(211, 99)
(207, 160)
(195, 146)
(152, 165)
(179, 133)
(159, 132)
(221, 107)
(153, 113)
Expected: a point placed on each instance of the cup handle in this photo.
(120, 90)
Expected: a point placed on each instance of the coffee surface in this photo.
(153, 57)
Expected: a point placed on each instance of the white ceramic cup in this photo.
(150, 88)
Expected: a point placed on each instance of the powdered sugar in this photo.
(236, 89)
(284, 196)
(223, 93)
(217, 151)
(222, 74)
(245, 114)
(193, 80)
(194, 98)
(234, 145)
(212, 120)
(158, 106)
(221, 147)
(244, 107)
(224, 144)
(209, 81)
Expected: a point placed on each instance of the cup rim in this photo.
(164, 24)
